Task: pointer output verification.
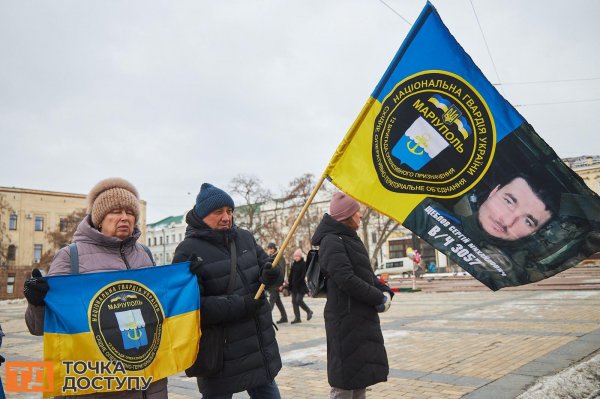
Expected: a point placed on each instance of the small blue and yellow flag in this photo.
(120, 330)
(437, 148)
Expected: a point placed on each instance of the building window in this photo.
(63, 224)
(11, 253)
(39, 223)
(173, 238)
(159, 240)
(154, 240)
(10, 284)
(12, 224)
(427, 252)
(397, 249)
(167, 239)
(373, 237)
(149, 241)
(37, 253)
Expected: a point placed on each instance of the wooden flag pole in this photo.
(292, 230)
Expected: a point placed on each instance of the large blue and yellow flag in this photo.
(119, 330)
(437, 148)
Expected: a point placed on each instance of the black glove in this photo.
(195, 264)
(253, 305)
(36, 288)
(270, 275)
(1, 360)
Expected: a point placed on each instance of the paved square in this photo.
(440, 345)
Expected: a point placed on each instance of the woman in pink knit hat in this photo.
(356, 356)
(298, 286)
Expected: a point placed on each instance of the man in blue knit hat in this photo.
(213, 242)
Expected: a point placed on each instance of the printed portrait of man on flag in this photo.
(526, 216)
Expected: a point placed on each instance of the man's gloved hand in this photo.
(385, 305)
(270, 275)
(253, 305)
(195, 264)
(36, 287)
(2, 360)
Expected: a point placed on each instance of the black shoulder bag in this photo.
(212, 340)
(316, 277)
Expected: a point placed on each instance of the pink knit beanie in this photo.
(298, 252)
(342, 207)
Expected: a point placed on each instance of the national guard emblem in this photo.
(434, 135)
(126, 319)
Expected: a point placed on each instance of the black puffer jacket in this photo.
(356, 356)
(251, 355)
(297, 277)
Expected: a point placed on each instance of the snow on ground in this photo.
(11, 301)
(568, 295)
(581, 381)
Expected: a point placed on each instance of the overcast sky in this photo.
(170, 94)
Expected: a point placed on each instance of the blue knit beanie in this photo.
(210, 198)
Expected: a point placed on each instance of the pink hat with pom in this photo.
(342, 207)
(298, 252)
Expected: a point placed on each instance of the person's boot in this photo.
(282, 320)
(296, 321)
(309, 315)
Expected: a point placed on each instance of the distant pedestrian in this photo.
(356, 356)
(274, 296)
(298, 286)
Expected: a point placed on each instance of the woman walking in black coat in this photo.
(298, 286)
(356, 356)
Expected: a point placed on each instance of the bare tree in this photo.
(373, 222)
(300, 188)
(62, 235)
(383, 227)
(296, 196)
(5, 211)
(273, 223)
(255, 196)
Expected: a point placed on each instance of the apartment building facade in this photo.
(162, 238)
(588, 168)
(26, 217)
